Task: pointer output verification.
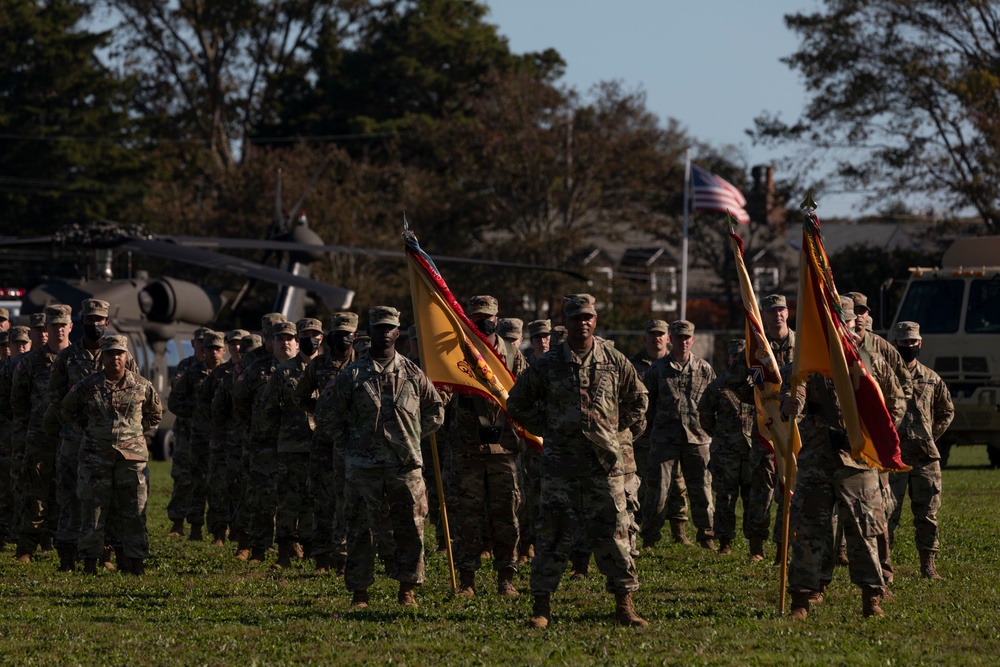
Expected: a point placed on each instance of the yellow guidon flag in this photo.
(454, 354)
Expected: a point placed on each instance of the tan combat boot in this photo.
(284, 557)
(242, 547)
(359, 600)
(177, 529)
(406, 596)
(625, 612)
(22, 555)
(678, 532)
(505, 583)
(756, 549)
(297, 550)
(842, 558)
(725, 546)
(871, 601)
(466, 583)
(581, 566)
(322, 563)
(106, 561)
(800, 605)
(219, 538)
(541, 611)
(707, 543)
(927, 568)
(257, 556)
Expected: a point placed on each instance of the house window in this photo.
(765, 280)
(663, 290)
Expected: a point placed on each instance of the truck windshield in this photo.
(934, 304)
(983, 315)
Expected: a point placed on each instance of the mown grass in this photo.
(197, 605)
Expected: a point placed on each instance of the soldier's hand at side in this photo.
(790, 406)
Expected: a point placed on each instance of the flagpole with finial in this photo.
(684, 237)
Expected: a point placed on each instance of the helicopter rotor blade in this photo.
(309, 186)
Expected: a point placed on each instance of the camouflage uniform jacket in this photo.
(784, 349)
(469, 414)
(217, 384)
(70, 367)
(377, 414)
(184, 401)
(29, 394)
(317, 376)
(874, 344)
(293, 424)
(113, 416)
(6, 413)
(674, 393)
(580, 406)
(929, 412)
(726, 416)
(248, 389)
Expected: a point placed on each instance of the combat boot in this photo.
(725, 546)
(678, 532)
(322, 563)
(67, 557)
(284, 556)
(927, 568)
(243, 547)
(581, 566)
(177, 529)
(339, 565)
(777, 554)
(22, 555)
(136, 566)
(196, 535)
(800, 605)
(466, 583)
(625, 612)
(359, 600)
(257, 556)
(842, 558)
(541, 611)
(707, 543)
(219, 538)
(90, 566)
(296, 550)
(124, 564)
(756, 548)
(406, 596)
(871, 601)
(106, 558)
(505, 583)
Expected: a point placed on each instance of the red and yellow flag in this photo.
(823, 344)
(781, 436)
(453, 352)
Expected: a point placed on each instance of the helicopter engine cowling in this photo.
(172, 300)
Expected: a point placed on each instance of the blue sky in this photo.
(711, 64)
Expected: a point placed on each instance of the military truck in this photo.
(958, 308)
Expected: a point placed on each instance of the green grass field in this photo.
(198, 605)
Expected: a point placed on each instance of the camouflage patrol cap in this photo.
(682, 328)
(902, 331)
(309, 324)
(657, 326)
(36, 320)
(94, 307)
(4, 314)
(859, 299)
(344, 322)
(511, 328)
(213, 339)
(18, 334)
(539, 328)
(361, 344)
(847, 305)
(58, 314)
(236, 335)
(483, 303)
(282, 328)
(574, 304)
(268, 321)
(250, 342)
(383, 315)
(735, 345)
(199, 333)
(112, 343)
(773, 301)
(558, 334)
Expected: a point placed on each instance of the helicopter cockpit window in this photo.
(983, 314)
(175, 352)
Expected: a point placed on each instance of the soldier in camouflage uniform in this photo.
(676, 383)
(29, 400)
(113, 408)
(4, 346)
(186, 401)
(381, 405)
(539, 332)
(326, 466)
(19, 343)
(830, 482)
(580, 396)
(929, 412)
(180, 464)
(729, 419)
(37, 331)
(655, 346)
(294, 516)
(511, 329)
(484, 449)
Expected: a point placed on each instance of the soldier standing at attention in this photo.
(37, 331)
(929, 412)
(20, 343)
(29, 399)
(511, 329)
(655, 346)
(579, 397)
(180, 464)
(294, 517)
(530, 464)
(484, 450)
(729, 419)
(113, 408)
(381, 405)
(676, 383)
(326, 466)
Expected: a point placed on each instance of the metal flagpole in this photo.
(684, 238)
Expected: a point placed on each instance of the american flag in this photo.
(712, 193)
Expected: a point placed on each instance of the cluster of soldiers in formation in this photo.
(327, 452)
